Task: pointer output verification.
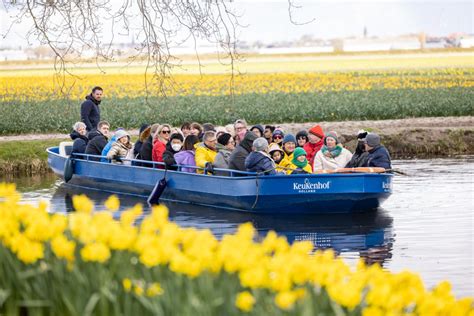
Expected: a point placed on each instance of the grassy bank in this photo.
(25, 157)
(58, 116)
(29, 157)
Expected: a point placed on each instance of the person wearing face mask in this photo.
(359, 158)
(332, 155)
(172, 147)
(240, 129)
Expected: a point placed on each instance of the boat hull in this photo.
(315, 193)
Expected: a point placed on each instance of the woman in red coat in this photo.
(162, 137)
(316, 141)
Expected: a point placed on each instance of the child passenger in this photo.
(299, 163)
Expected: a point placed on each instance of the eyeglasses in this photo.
(165, 132)
(239, 128)
(277, 137)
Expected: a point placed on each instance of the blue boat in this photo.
(241, 191)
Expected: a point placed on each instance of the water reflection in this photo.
(369, 234)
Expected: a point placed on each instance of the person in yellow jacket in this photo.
(299, 163)
(206, 151)
(289, 145)
(277, 155)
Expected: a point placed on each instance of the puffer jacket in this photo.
(379, 157)
(186, 157)
(258, 161)
(237, 158)
(168, 157)
(286, 161)
(204, 155)
(119, 151)
(323, 162)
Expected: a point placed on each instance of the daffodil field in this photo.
(35, 102)
(88, 263)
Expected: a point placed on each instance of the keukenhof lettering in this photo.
(310, 187)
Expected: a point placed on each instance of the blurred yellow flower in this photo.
(95, 252)
(112, 203)
(82, 204)
(127, 284)
(245, 301)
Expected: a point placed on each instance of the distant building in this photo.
(378, 44)
(467, 41)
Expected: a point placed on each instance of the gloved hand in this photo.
(208, 168)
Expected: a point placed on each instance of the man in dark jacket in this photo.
(90, 111)
(237, 158)
(98, 142)
(378, 154)
(259, 160)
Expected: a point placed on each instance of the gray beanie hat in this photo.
(121, 133)
(260, 144)
(372, 139)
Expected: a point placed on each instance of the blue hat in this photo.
(289, 138)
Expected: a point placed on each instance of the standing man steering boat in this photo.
(90, 111)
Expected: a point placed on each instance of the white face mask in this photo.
(176, 147)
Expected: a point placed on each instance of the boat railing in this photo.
(162, 165)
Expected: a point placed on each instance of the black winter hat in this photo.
(176, 136)
(224, 139)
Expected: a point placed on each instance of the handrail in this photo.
(232, 172)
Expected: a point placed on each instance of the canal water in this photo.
(426, 225)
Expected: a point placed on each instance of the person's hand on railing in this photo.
(208, 168)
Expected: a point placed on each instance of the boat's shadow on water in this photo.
(369, 234)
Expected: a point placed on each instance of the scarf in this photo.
(298, 163)
(332, 152)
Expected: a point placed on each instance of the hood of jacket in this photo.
(91, 98)
(144, 134)
(75, 135)
(254, 159)
(247, 142)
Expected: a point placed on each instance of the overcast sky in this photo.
(268, 21)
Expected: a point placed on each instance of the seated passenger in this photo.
(314, 144)
(121, 148)
(186, 129)
(258, 130)
(237, 158)
(172, 148)
(109, 145)
(299, 164)
(196, 129)
(332, 155)
(225, 146)
(258, 160)
(289, 145)
(79, 137)
(162, 137)
(186, 156)
(98, 142)
(277, 137)
(206, 151)
(378, 155)
(301, 138)
(359, 158)
(277, 154)
(268, 133)
(240, 130)
(143, 134)
(147, 147)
